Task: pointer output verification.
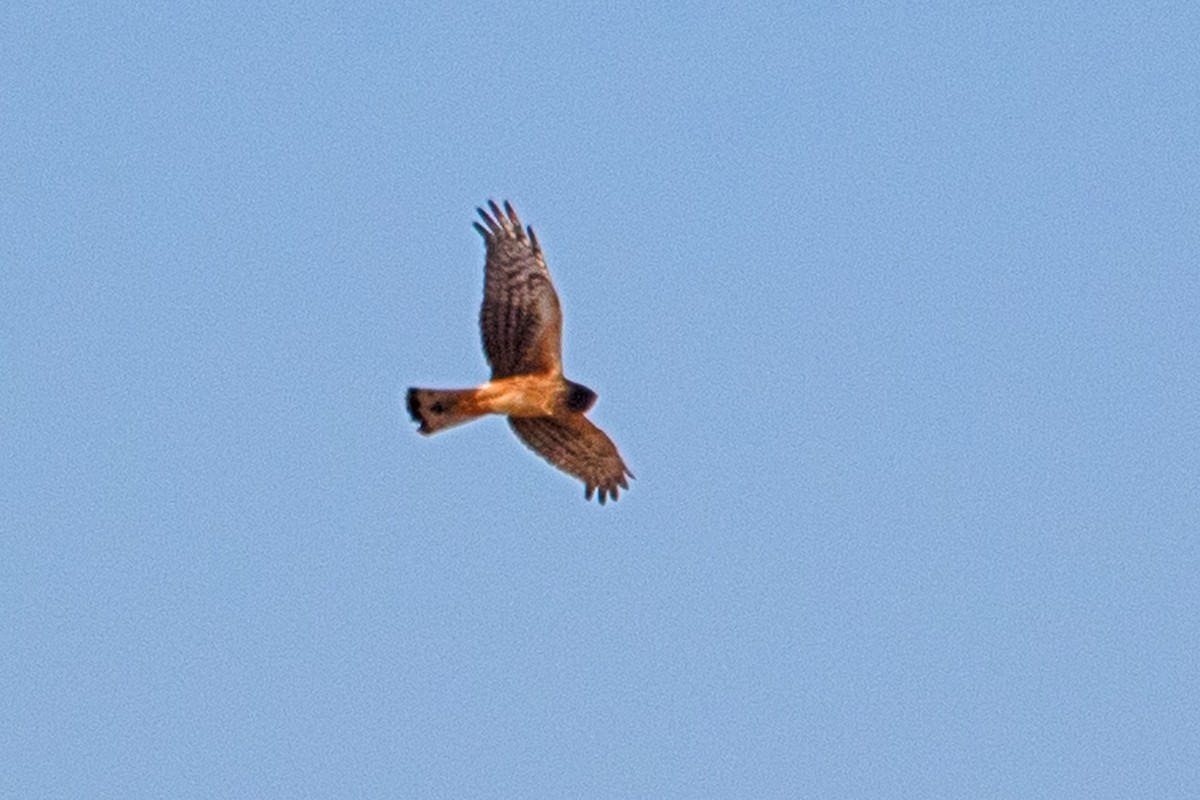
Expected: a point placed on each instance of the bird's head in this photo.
(579, 397)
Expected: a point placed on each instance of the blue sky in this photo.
(893, 313)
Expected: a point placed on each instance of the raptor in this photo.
(521, 321)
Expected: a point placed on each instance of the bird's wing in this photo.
(572, 443)
(521, 319)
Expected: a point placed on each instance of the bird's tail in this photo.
(438, 409)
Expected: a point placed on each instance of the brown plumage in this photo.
(521, 322)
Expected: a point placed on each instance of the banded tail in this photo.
(438, 409)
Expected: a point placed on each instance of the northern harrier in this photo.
(522, 339)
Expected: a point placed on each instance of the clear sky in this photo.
(895, 314)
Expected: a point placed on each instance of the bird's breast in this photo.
(522, 395)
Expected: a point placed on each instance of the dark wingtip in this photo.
(602, 493)
(502, 222)
(493, 226)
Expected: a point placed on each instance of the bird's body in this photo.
(521, 322)
(517, 396)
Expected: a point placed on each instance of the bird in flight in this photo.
(521, 322)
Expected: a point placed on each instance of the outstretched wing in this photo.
(572, 443)
(520, 318)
